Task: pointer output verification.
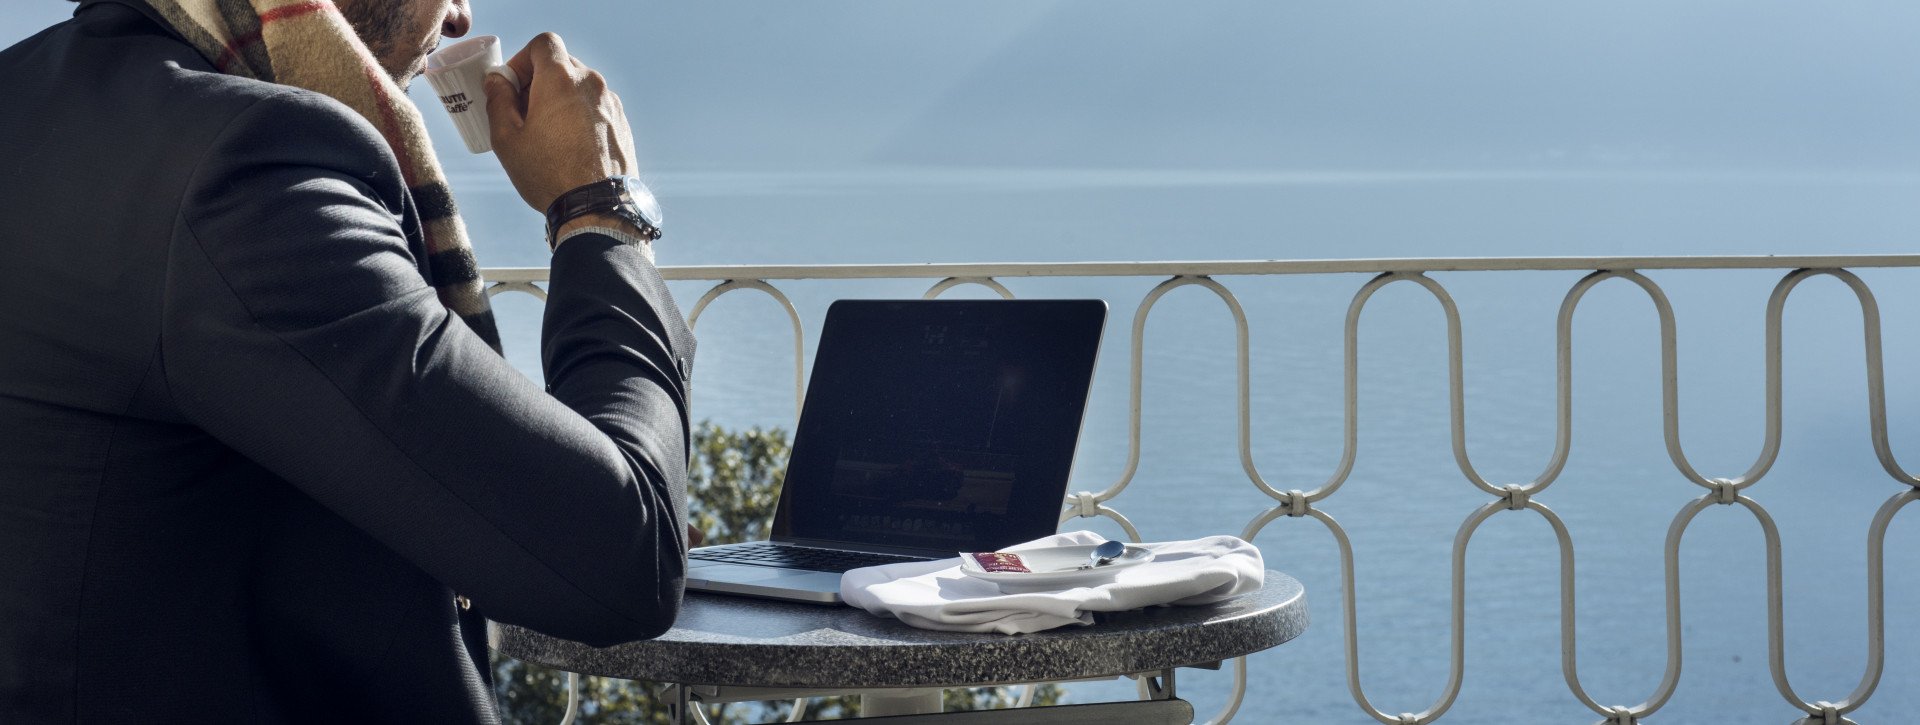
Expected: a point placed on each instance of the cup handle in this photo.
(506, 71)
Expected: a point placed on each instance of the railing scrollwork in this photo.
(1297, 503)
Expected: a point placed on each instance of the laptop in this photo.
(930, 427)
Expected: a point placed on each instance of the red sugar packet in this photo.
(998, 561)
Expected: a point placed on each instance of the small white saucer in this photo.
(1055, 568)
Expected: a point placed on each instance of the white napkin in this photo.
(936, 595)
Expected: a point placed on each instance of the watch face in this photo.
(643, 198)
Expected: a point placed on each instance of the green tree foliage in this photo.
(733, 484)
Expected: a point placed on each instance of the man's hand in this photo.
(564, 130)
(695, 536)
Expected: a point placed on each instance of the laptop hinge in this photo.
(867, 548)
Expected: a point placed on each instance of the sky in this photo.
(1638, 85)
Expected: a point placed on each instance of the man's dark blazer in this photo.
(246, 456)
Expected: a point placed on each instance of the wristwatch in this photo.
(622, 196)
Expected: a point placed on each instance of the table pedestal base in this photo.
(1142, 712)
(923, 705)
(903, 702)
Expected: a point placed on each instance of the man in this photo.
(248, 453)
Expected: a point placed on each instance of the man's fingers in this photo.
(546, 49)
(547, 52)
(522, 65)
(503, 106)
(694, 536)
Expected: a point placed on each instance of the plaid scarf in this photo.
(308, 44)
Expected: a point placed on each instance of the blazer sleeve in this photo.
(299, 331)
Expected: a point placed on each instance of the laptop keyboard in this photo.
(796, 557)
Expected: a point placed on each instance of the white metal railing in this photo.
(1294, 503)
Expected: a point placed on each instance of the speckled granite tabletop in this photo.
(721, 640)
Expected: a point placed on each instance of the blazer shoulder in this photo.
(275, 125)
(296, 116)
(115, 75)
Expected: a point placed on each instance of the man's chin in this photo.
(403, 77)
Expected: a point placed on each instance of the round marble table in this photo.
(754, 643)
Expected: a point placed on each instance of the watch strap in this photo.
(607, 196)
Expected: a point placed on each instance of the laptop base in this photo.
(765, 582)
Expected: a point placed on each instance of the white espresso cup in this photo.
(459, 75)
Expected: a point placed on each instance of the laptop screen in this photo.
(943, 425)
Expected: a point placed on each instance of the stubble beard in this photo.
(381, 25)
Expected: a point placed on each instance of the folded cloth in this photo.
(936, 595)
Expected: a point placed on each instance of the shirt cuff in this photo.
(646, 247)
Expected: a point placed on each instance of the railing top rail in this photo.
(1240, 267)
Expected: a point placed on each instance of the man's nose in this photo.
(459, 20)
